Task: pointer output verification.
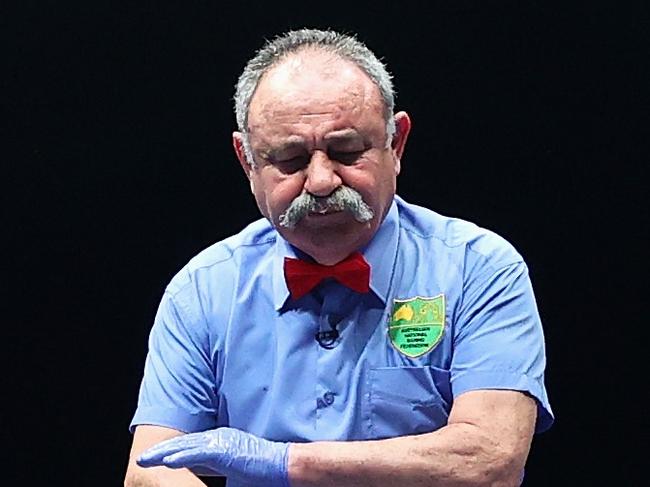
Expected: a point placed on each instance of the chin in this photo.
(341, 239)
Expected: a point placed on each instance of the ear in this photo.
(238, 146)
(402, 130)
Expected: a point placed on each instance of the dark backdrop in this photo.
(529, 119)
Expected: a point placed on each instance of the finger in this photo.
(196, 457)
(151, 459)
(154, 456)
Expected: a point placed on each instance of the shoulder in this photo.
(454, 236)
(227, 257)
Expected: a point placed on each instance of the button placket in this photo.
(337, 306)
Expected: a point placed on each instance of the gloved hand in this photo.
(224, 451)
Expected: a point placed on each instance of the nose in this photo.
(322, 177)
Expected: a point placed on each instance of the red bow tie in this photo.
(302, 277)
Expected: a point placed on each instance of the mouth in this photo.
(323, 212)
(325, 215)
(324, 208)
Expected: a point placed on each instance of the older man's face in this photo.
(316, 123)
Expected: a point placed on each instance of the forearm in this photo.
(136, 476)
(456, 455)
(160, 477)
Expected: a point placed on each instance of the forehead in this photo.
(317, 90)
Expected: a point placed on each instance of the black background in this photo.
(529, 119)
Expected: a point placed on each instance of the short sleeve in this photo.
(498, 338)
(178, 388)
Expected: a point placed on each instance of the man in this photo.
(349, 338)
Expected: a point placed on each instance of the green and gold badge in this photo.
(416, 325)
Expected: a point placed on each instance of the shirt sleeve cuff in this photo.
(505, 380)
(173, 418)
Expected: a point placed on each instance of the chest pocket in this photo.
(407, 400)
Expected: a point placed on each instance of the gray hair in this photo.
(345, 46)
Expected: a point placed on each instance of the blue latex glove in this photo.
(224, 451)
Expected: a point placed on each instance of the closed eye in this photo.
(292, 165)
(345, 157)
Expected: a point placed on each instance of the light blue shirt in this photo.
(229, 347)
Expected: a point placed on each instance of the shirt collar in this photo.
(380, 254)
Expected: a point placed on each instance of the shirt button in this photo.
(328, 397)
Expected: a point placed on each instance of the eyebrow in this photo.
(347, 135)
(291, 144)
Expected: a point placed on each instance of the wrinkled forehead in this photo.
(311, 81)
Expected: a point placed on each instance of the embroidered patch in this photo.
(417, 324)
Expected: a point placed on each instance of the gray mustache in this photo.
(343, 199)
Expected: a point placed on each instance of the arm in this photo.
(485, 443)
(177, 388)
(144, 437)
